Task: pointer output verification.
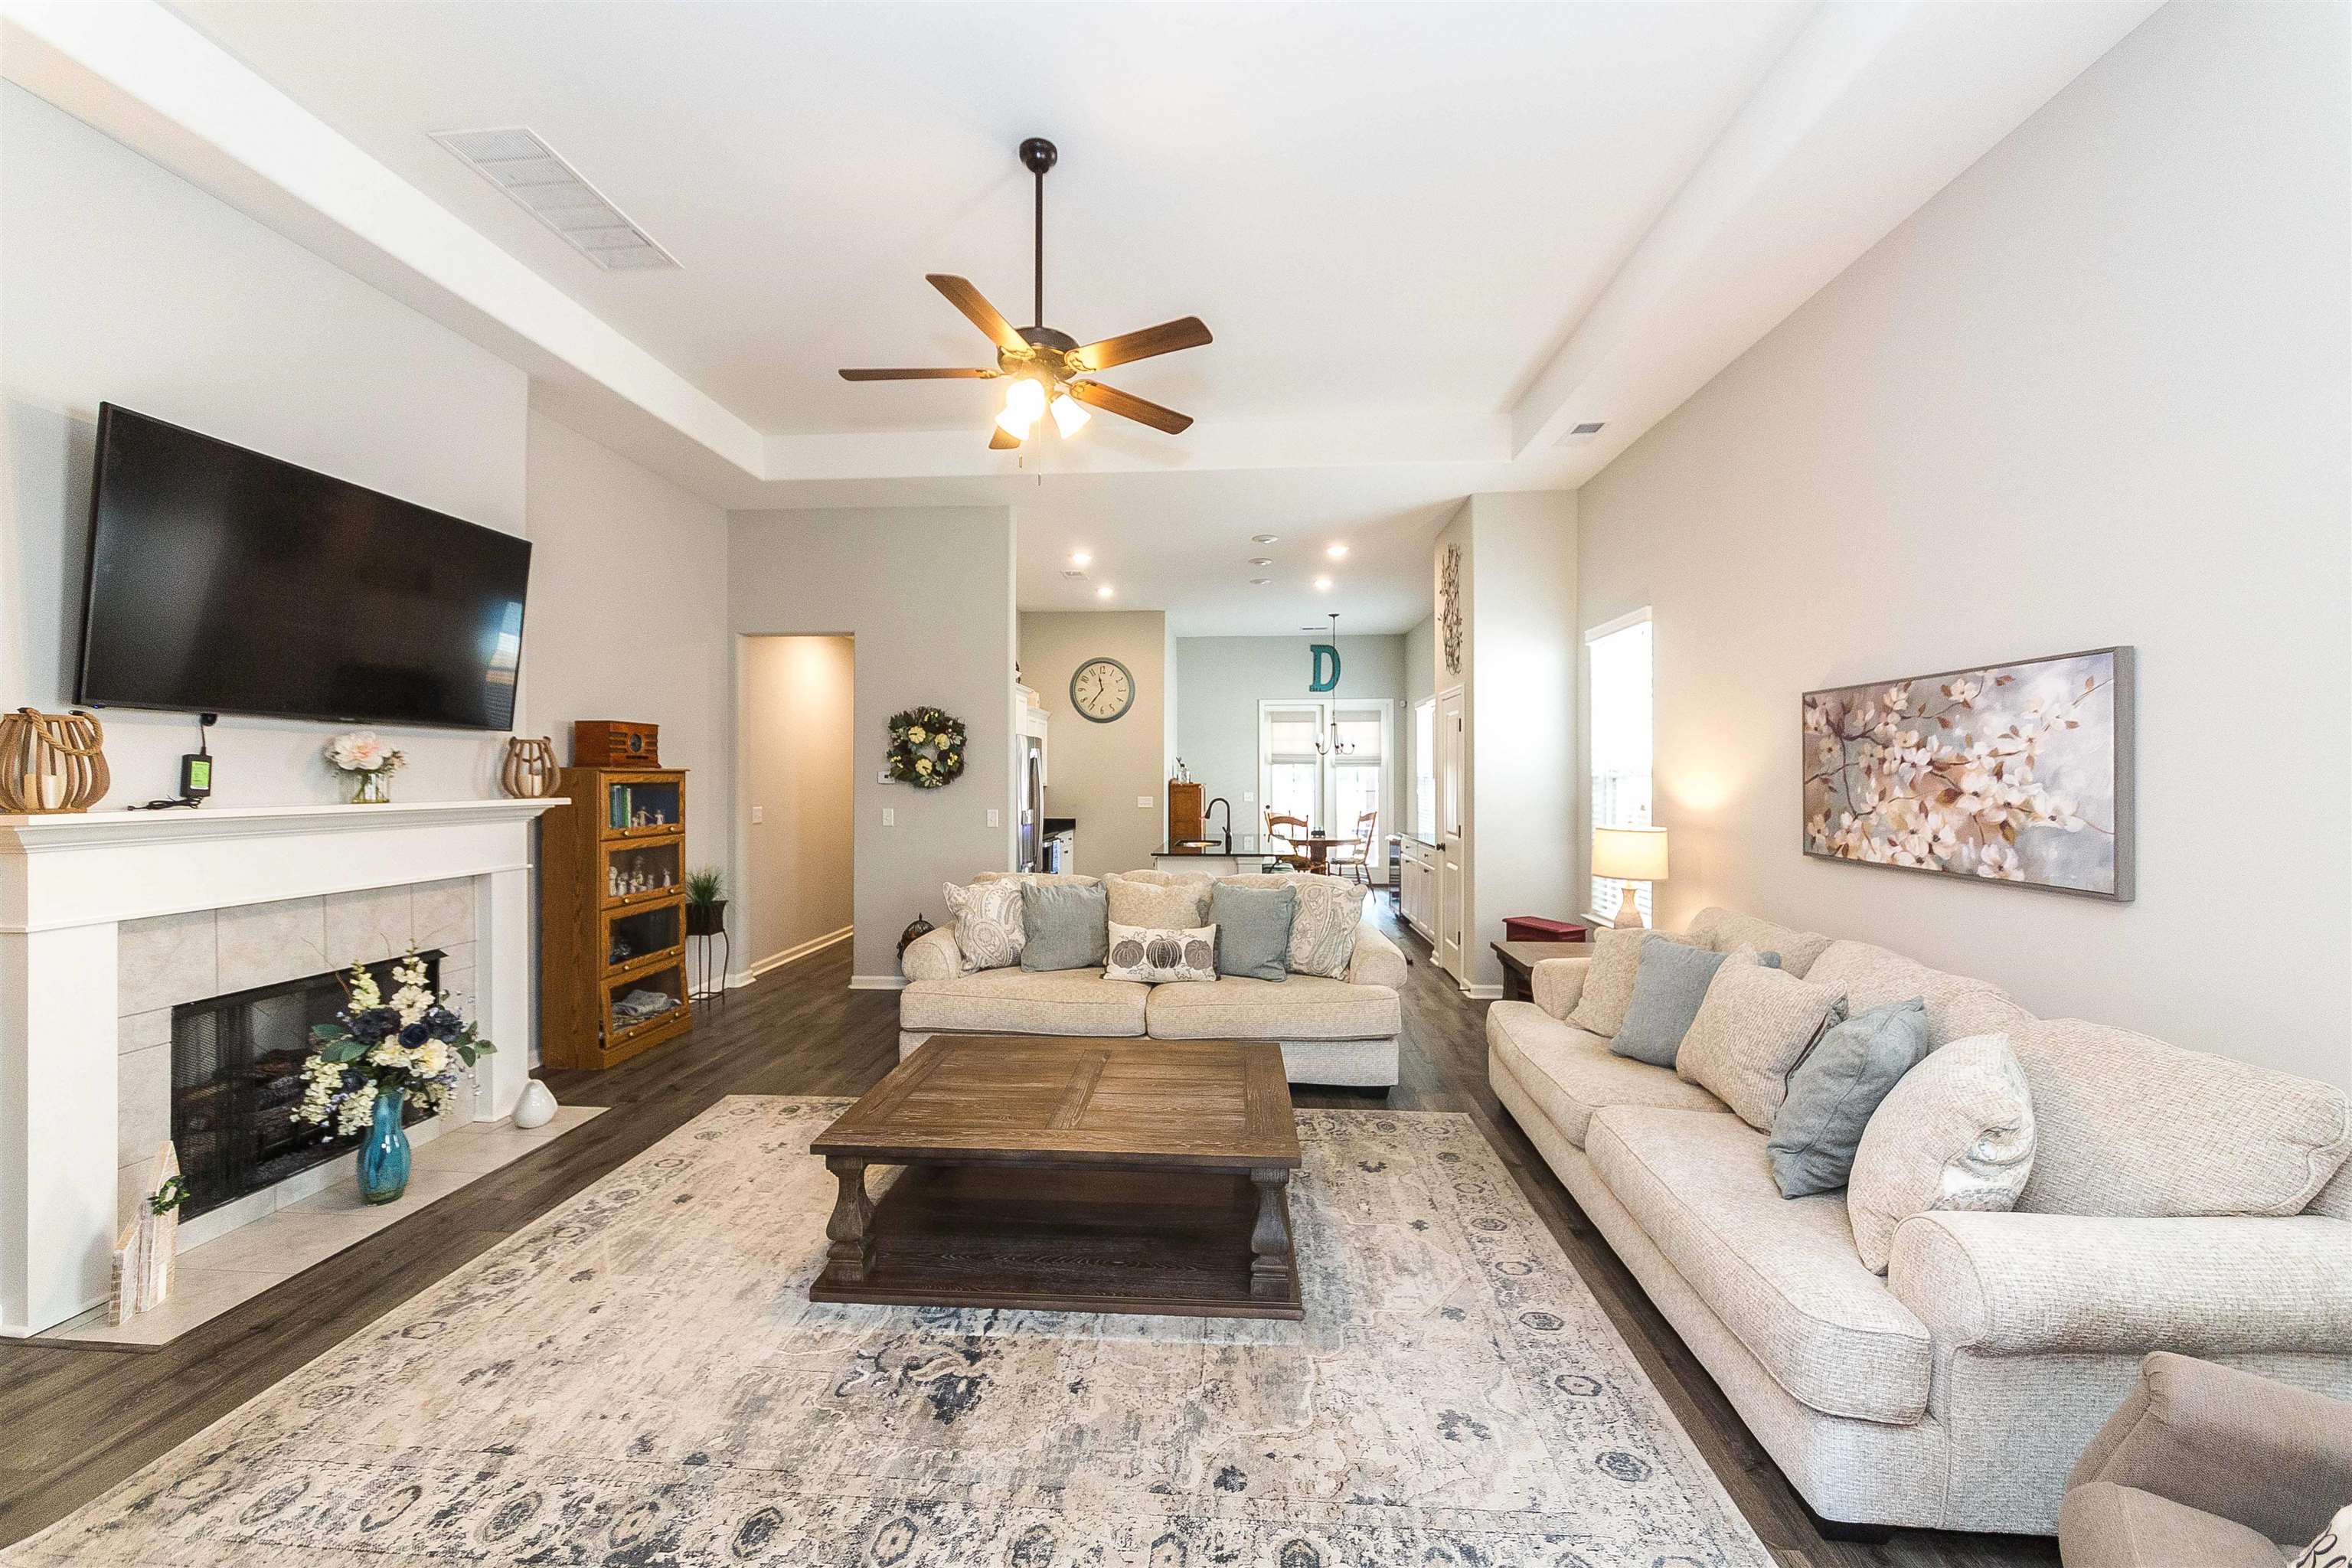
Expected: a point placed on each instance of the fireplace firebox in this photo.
(237, 1078)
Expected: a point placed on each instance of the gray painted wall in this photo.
(1096, 772)
(927, 593)
(2094, 392)
(1224, 678)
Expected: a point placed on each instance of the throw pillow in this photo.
(1833, 1091)
(2333, 1548)
(1323, 931)
(1755, 1026)
(989, 932)
(1066, 925)
(1955, 1133)
(1669, 982)
(1609, 980)
(1254, 929)
(1158, 957)
(1158, 900)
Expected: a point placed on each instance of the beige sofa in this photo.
(2207, 1466)
(2178, 1201)
(1340, 1032)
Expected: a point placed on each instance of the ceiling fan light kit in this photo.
(1044, 365)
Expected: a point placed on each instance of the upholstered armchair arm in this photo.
(2270, 1456)
(1378, 959)
(2018, 1284)
(1558, 983)
(932, 956)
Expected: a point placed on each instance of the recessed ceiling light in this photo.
(1323, 583)
(1260, 582)
(1104, 592)
(1261, 561)
(1262, 538)
(1080, 558)
(1336, 551)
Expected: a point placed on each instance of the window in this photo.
(1620, 710)
(1325, 762)
(1424, 769)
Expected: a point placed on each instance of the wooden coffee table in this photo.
(1078, 1176)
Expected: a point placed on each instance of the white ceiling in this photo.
(1427, 237)
(1376, 207)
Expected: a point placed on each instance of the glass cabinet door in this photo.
(642, 871)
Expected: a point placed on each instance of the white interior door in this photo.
(1451, 847)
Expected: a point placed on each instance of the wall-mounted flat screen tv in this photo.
(222, 581)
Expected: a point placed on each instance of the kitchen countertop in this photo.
(1244, 845)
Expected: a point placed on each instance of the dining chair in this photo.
(1296, 860)
(1355, 859)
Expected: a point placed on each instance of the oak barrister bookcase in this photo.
(611, 902)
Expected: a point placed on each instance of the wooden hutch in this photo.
(611, 901)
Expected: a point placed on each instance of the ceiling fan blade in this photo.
(1111, 400)
(982, 314)
(1164, 338)
(999, 440)
(918, 374)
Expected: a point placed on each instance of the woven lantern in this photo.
(51, 762)
(530, 772)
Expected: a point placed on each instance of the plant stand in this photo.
(708, 987)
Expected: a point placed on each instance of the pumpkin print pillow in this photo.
(1158, 956)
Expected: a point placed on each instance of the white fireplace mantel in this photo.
(67, 882)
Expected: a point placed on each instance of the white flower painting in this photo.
(2015, 772)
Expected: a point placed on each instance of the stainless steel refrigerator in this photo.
(1032, 804)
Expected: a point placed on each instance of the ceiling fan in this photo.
(1045, 365)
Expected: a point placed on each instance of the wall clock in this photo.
(1449, 607)
(1102, 690)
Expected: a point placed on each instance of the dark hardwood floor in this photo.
(79, 1421)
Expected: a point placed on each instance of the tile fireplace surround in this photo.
(110, 919)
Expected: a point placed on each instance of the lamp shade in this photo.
(1630, 854)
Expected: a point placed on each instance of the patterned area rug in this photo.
(638, 1379)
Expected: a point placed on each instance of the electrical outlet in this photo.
(889, 818)
(1143, 802)
(995, 818)
(759, 813)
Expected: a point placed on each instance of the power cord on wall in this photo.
(196, 772)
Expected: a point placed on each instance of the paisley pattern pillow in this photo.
(988, 927)
(1323, 931)
(1158, 955)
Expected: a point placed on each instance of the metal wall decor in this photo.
(51, 762)
(1449, 607)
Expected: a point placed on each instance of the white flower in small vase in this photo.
(367, 765)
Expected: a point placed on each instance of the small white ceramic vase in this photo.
(536, 1107)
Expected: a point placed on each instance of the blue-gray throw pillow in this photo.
(1669, 983)
(1066, 925)
(1832, 1091)
(1253, 929)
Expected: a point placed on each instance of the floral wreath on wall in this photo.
(926, 747)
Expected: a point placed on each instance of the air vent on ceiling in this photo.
(1073, 574)
(552, 191)
(1589, 428)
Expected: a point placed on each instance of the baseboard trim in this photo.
(1483, 993)
(778, 960)
(877, 983)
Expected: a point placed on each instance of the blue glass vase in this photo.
(384, 1157)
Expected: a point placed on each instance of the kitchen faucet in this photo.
(1221, 800)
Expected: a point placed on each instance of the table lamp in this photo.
(1629, 855)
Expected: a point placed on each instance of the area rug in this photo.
(639, 1379)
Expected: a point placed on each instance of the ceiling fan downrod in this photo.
(1040, 155)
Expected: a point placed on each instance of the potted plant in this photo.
(706, 903)
(373, 1057)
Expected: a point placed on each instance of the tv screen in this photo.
(222, 581)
